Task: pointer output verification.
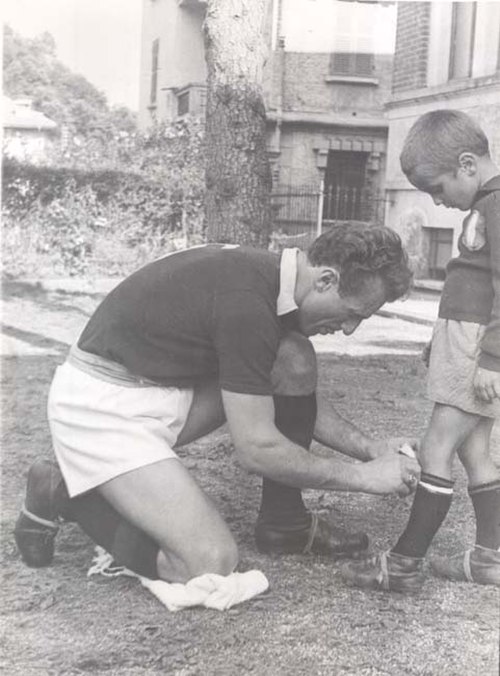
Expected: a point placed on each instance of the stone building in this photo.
(27, 133)
(327, 78)
(447, 56)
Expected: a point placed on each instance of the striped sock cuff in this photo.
(436, 484)
(482, 488)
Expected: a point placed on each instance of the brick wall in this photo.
(412, 43)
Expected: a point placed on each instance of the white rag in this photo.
(210, 590)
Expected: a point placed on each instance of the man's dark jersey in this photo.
(207, 312)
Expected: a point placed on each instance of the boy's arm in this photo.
(487, 379)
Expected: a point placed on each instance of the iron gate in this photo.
(304, 211)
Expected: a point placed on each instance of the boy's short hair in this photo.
(436, 141)
(360, 252)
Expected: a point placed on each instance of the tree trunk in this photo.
(238, 176)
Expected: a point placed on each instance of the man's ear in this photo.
(328, 278)
(467, 162)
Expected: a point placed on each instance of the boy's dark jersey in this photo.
(207, 312)
(472, 288)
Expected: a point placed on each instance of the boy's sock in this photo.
(430, 507)
(486, 501)
(295, 417)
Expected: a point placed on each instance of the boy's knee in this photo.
(295, 370)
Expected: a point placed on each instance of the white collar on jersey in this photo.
(288, 279)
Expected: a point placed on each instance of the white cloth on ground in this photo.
(210, 590)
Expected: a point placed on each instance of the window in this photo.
(463, 21)
(351, 63)
(440, 249)
(344, 185)
(154, 71)
(183, 103)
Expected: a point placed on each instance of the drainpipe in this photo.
(278, 86)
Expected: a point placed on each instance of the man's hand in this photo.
(381, 447)
(391, 473)
(487, 384)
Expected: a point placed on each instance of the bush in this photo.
(80, 215)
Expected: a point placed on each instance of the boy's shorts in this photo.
(452, 367)
(101, 429)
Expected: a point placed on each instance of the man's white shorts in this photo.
(101, 430)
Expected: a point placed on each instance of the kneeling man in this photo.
(212, 334)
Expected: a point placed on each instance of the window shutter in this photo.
(351, 63)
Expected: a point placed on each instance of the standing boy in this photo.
(446, 155)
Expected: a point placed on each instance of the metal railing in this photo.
(303, 211)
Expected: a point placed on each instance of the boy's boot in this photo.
(479, 565)
(386, 571)
(402, 568)
(46, 503)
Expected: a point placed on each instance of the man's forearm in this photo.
(285, 462)
(334, 431)
(292, 465)
(262, 449)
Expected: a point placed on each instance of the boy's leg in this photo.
(482, 563)
(401, 568)
(447, 431)
(284, 525)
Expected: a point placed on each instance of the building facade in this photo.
(447, 56)
(28, 135)
(326, 81)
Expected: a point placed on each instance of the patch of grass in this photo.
(58, 621)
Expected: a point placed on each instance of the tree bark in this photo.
(238, 176)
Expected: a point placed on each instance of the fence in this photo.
(302, 212)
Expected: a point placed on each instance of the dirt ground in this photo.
(57, 621)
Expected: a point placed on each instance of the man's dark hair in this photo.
(361, 252)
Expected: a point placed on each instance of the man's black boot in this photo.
(45, 505)
(284, 525)
(306, 534)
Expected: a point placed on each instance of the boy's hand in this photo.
(487, 384)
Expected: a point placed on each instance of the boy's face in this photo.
(454, 190)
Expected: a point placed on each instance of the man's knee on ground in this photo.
(295, 370)
(220, 558)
